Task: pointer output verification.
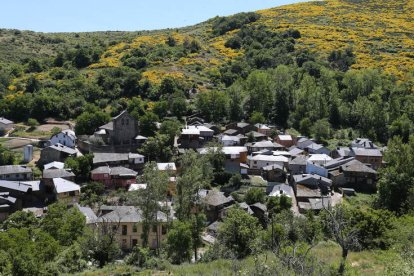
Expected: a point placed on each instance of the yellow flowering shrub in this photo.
(375, 29)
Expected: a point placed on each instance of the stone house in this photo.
(6, 125)
(114, 177)
(15, 173)
(121, 130)
(285, 140)
(66, 191)
(126, 221)
(57, 152)
(66, 137)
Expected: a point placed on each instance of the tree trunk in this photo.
(343, 261)
(195, 253)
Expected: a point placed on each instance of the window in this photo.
(122, 122)
(114, 228)
(127, 121)
(164, 229)
(72, 193)
(134, 228)
(134, 242)
(154, 228)
(124, 230)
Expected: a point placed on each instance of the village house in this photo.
(15, 173)
(66, 137)
(214, 201)
(114, 177)
(50, 174)
(57, 152)
(274, 173)
(264, 145)
(281, 189)
(5, 125)
(312, 191)
(127, 221)
(66, 191)
(285, 140)
(354, 174)
(303, 142)
(129, 160)
(25, 193)
(368, 156)
(295, 151)
(194, 137)
(241, 127)
(54, 165)
(7, 205)
(259, 161)
(254, 136)
(121, 130)
(229, 141)
(298, 165)
(234, 157)
(317, 149)
(363, 143)
(264, 129)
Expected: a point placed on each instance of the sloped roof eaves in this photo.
(56, 173)
(11, 169)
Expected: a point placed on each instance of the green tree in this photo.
(148, 123)
(257, 118)
(81, 166)
(396, 182)
(171, 128)
(179, 242)
(321, 130)
(238, 231)
(64, 224)
(148, 199)
(20, 220)
(88, 122)
(157, 148)
(255, 195)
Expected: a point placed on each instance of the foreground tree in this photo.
(339, 227)
(238, 231)
(396, 183)
(179, 242)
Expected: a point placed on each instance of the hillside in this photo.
(380, 34)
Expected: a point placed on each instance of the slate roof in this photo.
(363, 143)
(285, 137)
(357, 166)
(277, 190)
(295, 151)
(231, 131)
(62, 148)
(312, 180)
(14, 185)
(270, 158)
(246, 207)
(35, 184)
(242, 125)
(304, 191)
(213, 227)
(315, 146)
(64, 186)
(127, 214)
(122, 171)
(5, 121)
(6, 197)
(273, 167)
(255, 134)
(101, 157)
(216, 198)
(57, 173)
(260, 206)
(54, 164)
(88, 213)
(367, 152)
(266, 144)
(13, 169)
(337, 162)
(108, 126)
(299, 160)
